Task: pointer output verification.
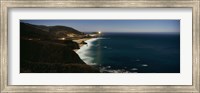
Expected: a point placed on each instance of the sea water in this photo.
(133, 53)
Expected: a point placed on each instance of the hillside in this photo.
(47, 32)
(50, 57)
(33, 31)
(63, 31)
(43, 50)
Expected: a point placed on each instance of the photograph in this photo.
(99, 46)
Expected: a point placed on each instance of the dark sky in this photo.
(114, 25)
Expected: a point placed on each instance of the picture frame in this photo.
(4, 47)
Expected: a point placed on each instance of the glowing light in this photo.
(99, 32)
(63, 38)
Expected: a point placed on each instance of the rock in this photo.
(83, 42)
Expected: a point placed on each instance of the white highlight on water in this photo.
(84, 52)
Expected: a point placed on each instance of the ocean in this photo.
(133, 53)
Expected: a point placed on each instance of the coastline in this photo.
(87, 40)
(62, 58)
(84, 52)
(81, 40)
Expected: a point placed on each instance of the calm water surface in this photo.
(134, 52)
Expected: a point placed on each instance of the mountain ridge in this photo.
(41, 31)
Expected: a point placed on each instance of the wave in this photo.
(109, 69)
(106, 70)
(103, 38)
(84, 52)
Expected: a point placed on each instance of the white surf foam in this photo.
(108, 69)
(84, 52)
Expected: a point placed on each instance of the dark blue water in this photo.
(137, 52)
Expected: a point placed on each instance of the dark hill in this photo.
(50, 57)
(64, 28)
(44, 28)
(48, 32)
(63, 31)
(41, 50)
(32, 31)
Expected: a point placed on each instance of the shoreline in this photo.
(79, 41)
(83, 52)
